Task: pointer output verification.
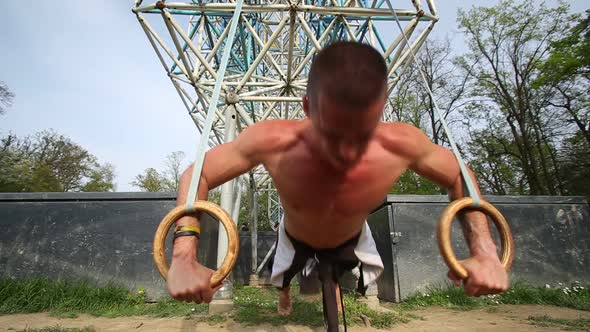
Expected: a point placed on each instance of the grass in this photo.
(565, 324)
(69, 298)
(258, 306)
(574, 296)
(253, 306)
(445, 296)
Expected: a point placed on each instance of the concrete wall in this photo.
(101, 237)
(551, 235)
(108, 237)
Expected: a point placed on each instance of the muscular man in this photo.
(331, 169)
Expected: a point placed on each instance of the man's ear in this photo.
(305, 101)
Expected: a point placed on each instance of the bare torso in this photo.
(323, 206)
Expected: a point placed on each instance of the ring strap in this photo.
(187, 228)
(203, 143)
(186, 233)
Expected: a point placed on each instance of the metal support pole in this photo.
(227, 203)
(254, 229)
(235, 214)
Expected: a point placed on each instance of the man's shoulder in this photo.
(398, 132)
(401, 138)
(397, 128)
(275, 135)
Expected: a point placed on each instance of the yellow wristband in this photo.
(187, 229)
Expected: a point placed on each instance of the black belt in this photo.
(332, 263)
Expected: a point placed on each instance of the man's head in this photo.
(346, 93)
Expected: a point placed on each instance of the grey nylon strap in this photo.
(467, 181)
(203, 143)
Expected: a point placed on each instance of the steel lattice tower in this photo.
(271, 54)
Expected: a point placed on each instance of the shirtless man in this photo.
(331, 169)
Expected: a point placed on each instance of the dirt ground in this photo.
(500, 318)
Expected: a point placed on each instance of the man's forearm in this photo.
(476, 229)
(188, 245)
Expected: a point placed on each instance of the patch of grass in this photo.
(258, 305)
(255, 306)
(575, 296)
(65, 298)
(566, 324)
(356, 311)
(447, 296)
(58, 328)
(216, 319)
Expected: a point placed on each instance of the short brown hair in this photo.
(350, 73)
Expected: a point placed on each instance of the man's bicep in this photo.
(225, 162)
(438, 165)
(251, 148)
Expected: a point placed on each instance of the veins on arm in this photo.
(439, 165)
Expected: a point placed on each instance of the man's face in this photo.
(343, 134)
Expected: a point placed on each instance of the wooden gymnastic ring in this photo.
(216, 211)
(444, 234)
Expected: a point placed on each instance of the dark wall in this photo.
(243, 268)
(108, 237)
(94, 236)
(551, 236)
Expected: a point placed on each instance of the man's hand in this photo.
(190, 281)
(486, 275)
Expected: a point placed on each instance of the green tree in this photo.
(496, 162)
(245, 218)
(151, 180)
(566, 72)
(6, 97)
(575, 158)
(570, 55)
(410, 183)
(101, 179)
(48, 162)
(411, 103)
(62, 163)
(173, 169)
(506, 43)
(165, 180)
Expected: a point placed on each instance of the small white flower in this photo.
(547, 286)
(193, 309)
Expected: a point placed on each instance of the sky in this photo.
(87, 71)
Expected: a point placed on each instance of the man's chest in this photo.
(308, 185)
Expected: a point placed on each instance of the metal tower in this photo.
(276, 41)
(272, 51)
